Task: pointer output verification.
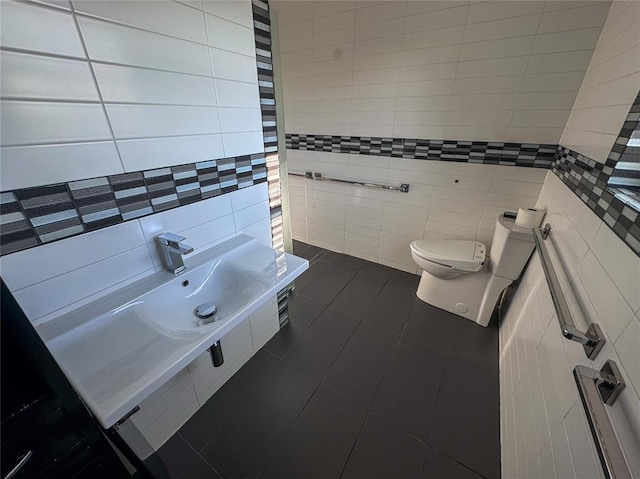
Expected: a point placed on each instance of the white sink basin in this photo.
(171, 307)
(118, 350)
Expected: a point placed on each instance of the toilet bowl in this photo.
(459, 277)
(448, 259)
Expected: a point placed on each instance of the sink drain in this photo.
(206, 310)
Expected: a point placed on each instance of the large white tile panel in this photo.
(25, 166)
(237, 94)
(26, 122)
(158, 152)
(489, 11)
(137, 121)
(237, 144)
(574, 19)
(235, 11)
(511, 27)
(139, 85)
(230, 36)
(185, 217)
(246, 197)
(53, 294)
(233, 66)
(619, 262)
(118, 44)
(30, 27)
(235, 120)
(168, 18)
(22, 76)
(32, 266)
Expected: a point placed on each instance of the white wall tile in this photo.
(67, 79)
(171, 19)
(27, 122)
(237, 144)
(230, 36)
(238, 12)
(233, 66)
(237, 94)
(24, 166)
(158, 152)
(118, 44)
(137, 121)
(30, 27)
(137, 85)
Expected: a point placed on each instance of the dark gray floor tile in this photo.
(356, 298)
(477, 344)
(409, 391)
(391, 308)
(199, 469)
(350, 262)
(176, 455)
(302, 313)
(404, 278)
(328, 283)
(375, 269)
(439, 466)
(358, 371)
(310, 252)
(245, 444)
(299, 247)
(329, 256)
(319, 443)
(466, 426)
(429, 326)
(384, 451)
(213, 415)
(319, 347)
(309, 275)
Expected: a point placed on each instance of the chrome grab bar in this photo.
(403, 188)
(596, 389)
(592, 340)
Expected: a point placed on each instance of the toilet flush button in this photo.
(461, 308)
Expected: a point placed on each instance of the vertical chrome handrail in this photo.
(592, 340)
(596, 389)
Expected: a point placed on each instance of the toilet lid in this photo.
(454, 253)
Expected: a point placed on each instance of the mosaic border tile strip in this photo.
(588, 179)
(33, 216)
(532, 155)
(262, 31)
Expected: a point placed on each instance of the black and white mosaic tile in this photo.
(33, 216)
(532, 155)
(262, 32)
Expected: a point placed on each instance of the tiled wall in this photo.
(483, 71)
(610, 85)
(445, 200)
(96, 89)
(94, 92)
(544, 431)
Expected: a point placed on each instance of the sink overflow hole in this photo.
(185, 283)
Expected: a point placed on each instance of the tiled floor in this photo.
(366, 381)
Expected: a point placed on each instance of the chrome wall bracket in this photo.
(596, 389)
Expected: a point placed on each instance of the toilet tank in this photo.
(511, 248)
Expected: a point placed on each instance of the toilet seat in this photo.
(462, 255)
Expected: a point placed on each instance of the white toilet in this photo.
(456, 275)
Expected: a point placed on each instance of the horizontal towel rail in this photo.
(403, 188)
(592, 340)
(596, 389)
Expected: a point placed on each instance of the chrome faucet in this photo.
(172, 250)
